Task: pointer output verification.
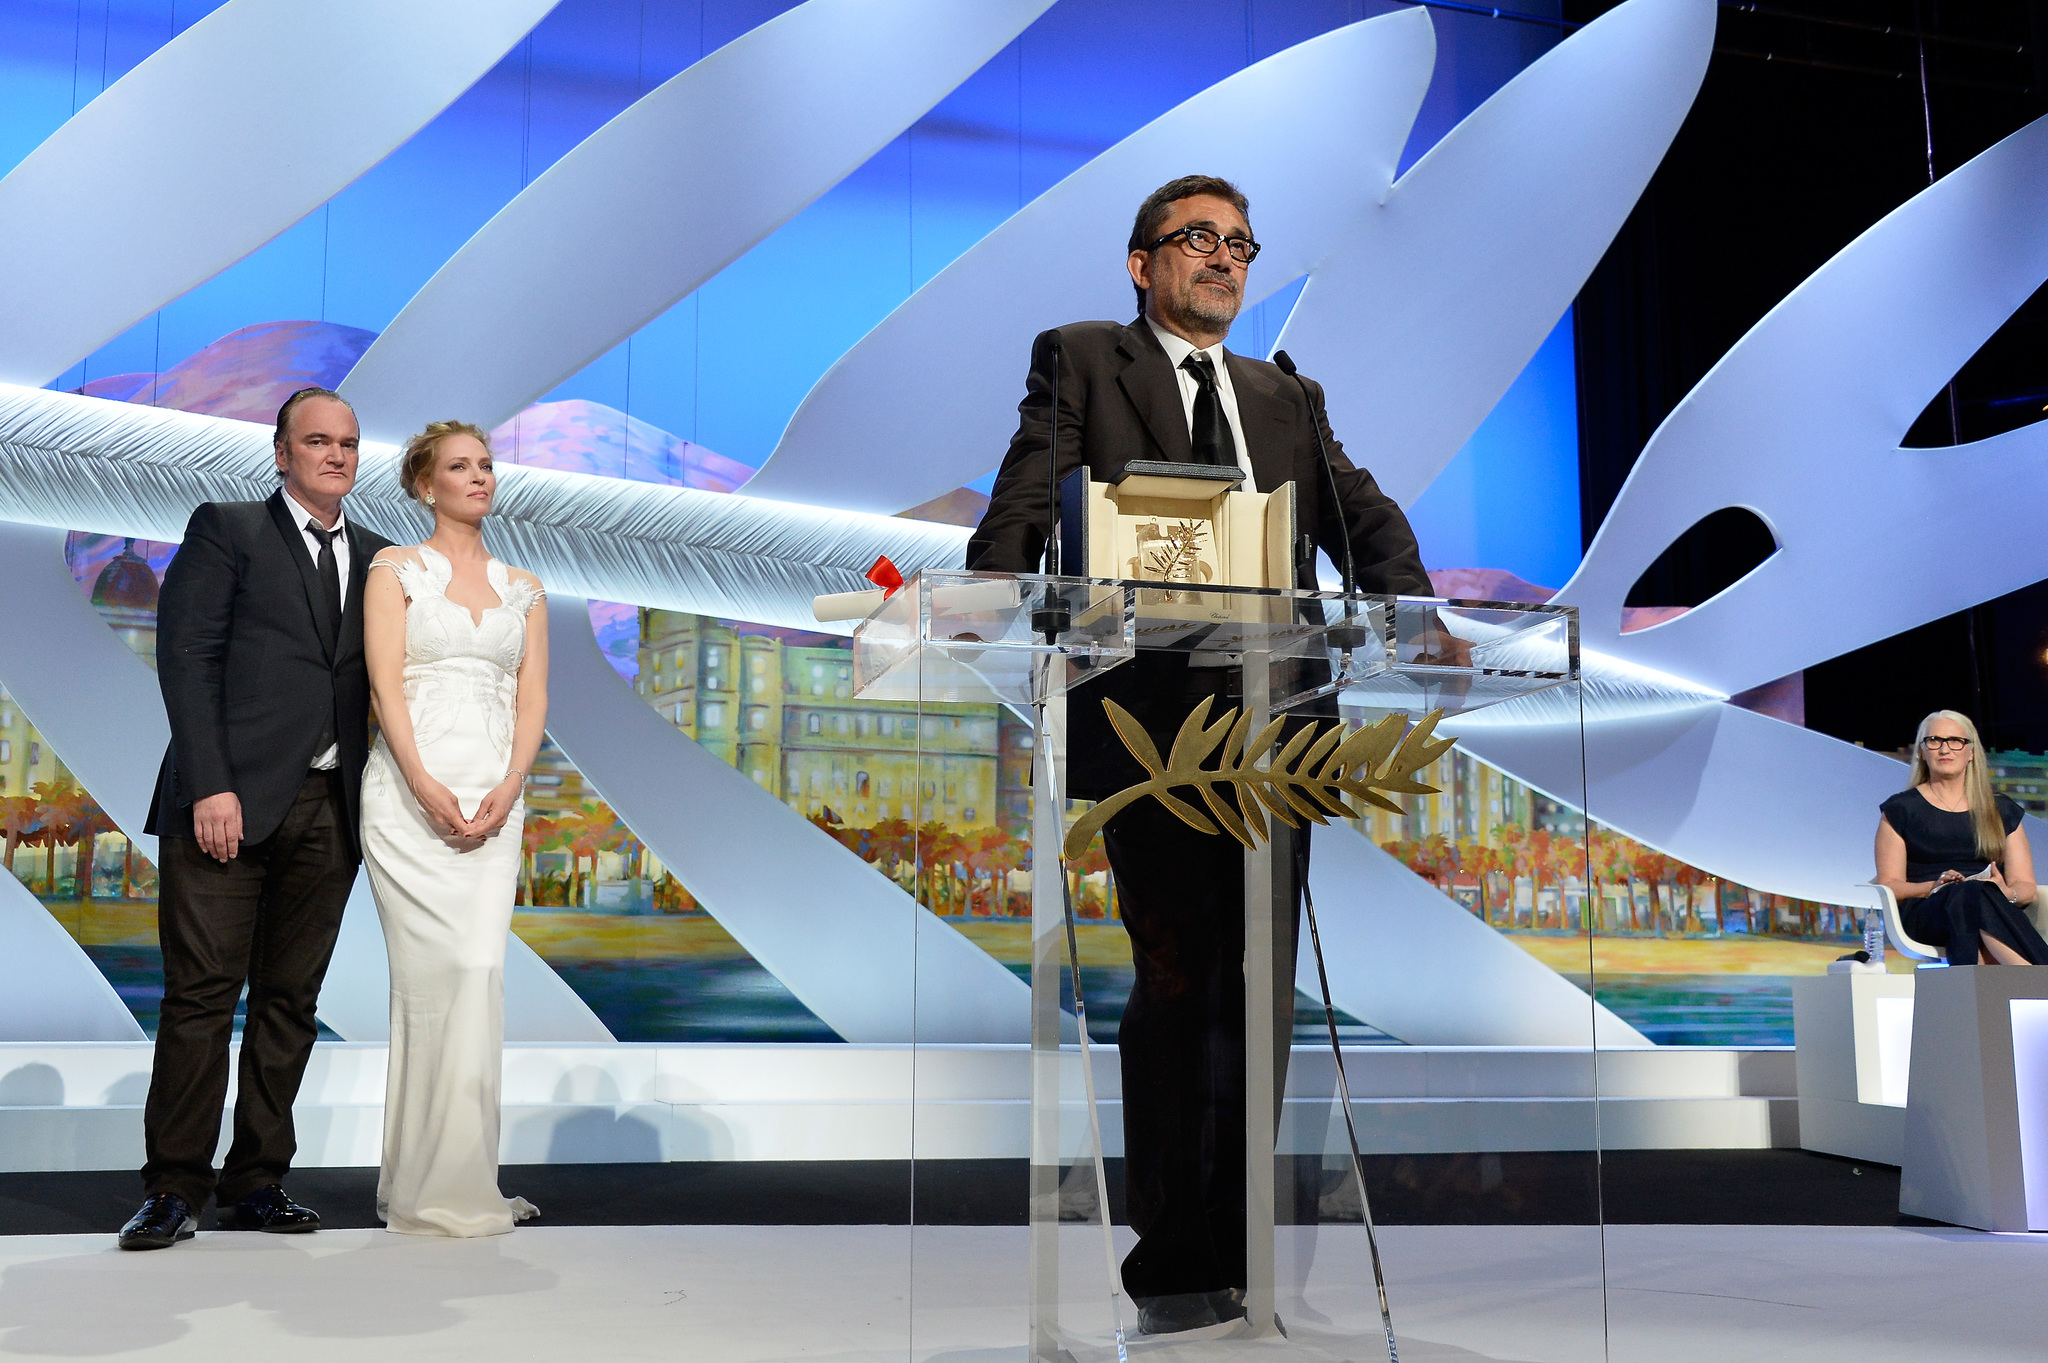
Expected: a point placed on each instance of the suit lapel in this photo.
(1147, 380)
(302, 559)
(1268, 419)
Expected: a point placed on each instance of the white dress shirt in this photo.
(1178, 348)
(331, 758)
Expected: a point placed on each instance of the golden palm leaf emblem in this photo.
(1308, 779)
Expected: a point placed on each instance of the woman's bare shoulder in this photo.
(398, 556)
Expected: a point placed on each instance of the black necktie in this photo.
(330, 581)
(1211, 433)
(330, 593)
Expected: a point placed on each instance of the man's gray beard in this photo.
(1192, 312)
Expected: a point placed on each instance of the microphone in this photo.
(1053, 619)
(1347, 636)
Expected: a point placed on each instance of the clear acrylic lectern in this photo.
(965, 646)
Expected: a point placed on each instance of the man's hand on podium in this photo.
(1438, 647)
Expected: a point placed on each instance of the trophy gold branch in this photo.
(1306, 779)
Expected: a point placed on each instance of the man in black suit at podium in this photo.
(1163, 387)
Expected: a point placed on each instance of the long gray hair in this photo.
(1976, 783)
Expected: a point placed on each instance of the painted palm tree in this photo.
(127, 868)
(595, 828)
(45, 837)
(538, 835)
(88, 824)
(62, 805)
(20, 820)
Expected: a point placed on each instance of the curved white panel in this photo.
(215, 143)
(840, 936)
(927, 401)
(1441, 292)
(1398, 949)
(665, 196)
(114, 468)
(1801, 423)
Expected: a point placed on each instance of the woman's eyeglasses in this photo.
(1946, 744)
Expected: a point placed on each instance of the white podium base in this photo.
(1977, 1115)
(1855, 1037)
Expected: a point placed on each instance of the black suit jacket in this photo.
(247, 677)
(1119, 401)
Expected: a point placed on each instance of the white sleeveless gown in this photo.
(447, 911)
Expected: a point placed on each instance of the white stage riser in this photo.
(92, 1074)
(39, 1139)
(79, 1106)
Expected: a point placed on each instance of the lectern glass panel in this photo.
(1432, 751)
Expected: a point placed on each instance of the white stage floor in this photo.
(1677, 1294)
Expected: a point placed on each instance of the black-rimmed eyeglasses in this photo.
(1946, 744)
(1204, 242)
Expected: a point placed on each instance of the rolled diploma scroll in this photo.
(976, 598)
(968, 598)
(847, 605)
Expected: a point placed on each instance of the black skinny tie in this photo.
(1211, 433)
(330, 581)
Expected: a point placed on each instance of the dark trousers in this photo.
(1181, 1043)
(1954, 915)
(268, 918)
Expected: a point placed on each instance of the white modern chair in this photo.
(1896, 929)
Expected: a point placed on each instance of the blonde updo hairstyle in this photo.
(421, 452)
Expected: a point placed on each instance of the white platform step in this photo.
(80, 1106)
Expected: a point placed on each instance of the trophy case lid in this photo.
(953, 636)
(961, 636)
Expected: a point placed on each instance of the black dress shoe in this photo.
(1171, 1314)
(164, 1220)
(269, 1209)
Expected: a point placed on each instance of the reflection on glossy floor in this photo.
(1677, 1294)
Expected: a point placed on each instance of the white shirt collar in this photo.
(1178, 348)
(300, 515)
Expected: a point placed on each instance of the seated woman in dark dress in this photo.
(1941, 833)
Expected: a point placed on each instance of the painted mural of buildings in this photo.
(1520, 861)
(25, 758)
(50, 821)
(785, 715)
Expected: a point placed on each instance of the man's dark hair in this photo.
(1152, 213)
(291, 404)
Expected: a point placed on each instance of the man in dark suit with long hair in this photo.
(1163, 387)
(260, 658)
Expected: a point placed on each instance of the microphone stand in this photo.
(1053, 618)
(1344, 637)
(1347, 636)
(1372, 1237)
